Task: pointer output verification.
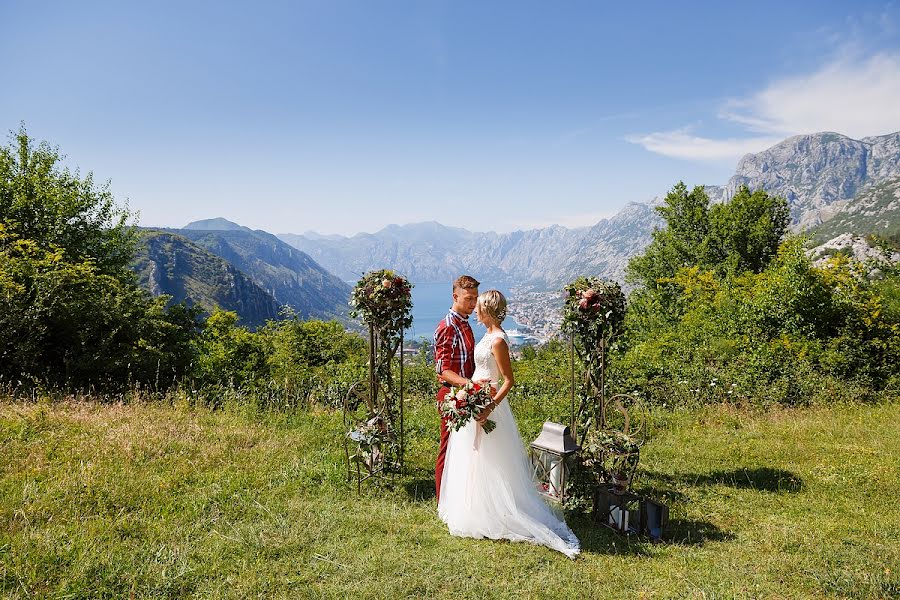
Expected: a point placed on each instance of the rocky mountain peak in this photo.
(816, 173)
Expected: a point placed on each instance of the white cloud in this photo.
(855, 96)
(682, 144)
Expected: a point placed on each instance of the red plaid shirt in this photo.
(454, 345)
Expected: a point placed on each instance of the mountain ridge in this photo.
(170, 264)
(818, 174)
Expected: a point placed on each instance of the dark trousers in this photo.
(442, 450)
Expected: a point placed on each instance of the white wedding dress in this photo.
(487, 490)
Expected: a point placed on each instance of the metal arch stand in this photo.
(384, 410)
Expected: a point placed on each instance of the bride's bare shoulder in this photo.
(500, 340)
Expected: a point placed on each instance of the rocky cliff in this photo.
(876, 210)
(289, 275)
(817, 174)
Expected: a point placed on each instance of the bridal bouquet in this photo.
(463, 404)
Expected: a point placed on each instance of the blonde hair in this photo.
(493, 304)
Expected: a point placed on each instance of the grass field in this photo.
(154, 500)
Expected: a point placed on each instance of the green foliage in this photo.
(744, 233)
(791, 333)
(229, 355)
(317, 359)
(543, 379)
(683, 242)
(60, 211)
(740, 317)
(70, 312)
(729, 239)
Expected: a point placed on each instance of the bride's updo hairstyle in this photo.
(493, 304)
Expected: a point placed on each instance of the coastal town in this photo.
(539, 313)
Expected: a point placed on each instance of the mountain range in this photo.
(833, 185)
(170, 264)
(874, 210)
(217, 263)
(817, 174)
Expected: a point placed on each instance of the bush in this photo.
(789, 334)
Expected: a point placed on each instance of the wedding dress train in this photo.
(487, 490)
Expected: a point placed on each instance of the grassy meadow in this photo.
(167, 500)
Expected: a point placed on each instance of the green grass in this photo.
(153, 500)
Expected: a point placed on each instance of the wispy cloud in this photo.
(853, 95)
(681, 143)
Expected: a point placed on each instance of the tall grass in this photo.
(173, 500)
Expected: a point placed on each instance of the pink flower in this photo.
(386, 283)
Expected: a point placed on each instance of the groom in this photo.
(454, 360)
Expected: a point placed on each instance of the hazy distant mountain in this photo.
(171, 264)
(817, 174)
(286, 273)
(426, 252)
(431, 252)
(217, 224)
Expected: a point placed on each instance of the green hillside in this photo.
(876, 210)
(286, 273)
(171, 264)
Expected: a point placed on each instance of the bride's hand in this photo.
(486, 383)
(484, 415)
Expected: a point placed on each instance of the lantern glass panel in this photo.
(550, 459)
(547, 471)
(655, 519)
(621, 512)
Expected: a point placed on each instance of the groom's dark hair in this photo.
(465, 282)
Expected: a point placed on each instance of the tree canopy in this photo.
(70, 310)
(733, 237)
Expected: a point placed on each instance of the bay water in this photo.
(431, 301)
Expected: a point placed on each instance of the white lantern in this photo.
(551, 460)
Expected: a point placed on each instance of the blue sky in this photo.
(342, 117)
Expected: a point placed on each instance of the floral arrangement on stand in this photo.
(593, 314)
(382, 299)
(371, 438)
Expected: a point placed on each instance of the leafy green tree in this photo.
(57, 209)
(70, 311)
(228, 354)
(744, 233)
(683, 242)
(737, 236)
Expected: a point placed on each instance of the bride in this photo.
(487, 490)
